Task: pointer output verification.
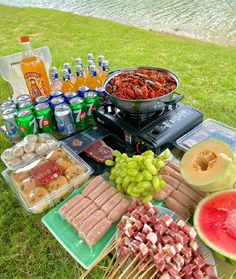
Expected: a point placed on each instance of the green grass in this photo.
(208, 81)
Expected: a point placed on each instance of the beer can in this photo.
(70, 95)
(82, 90)
(26, 105)
(23, 98)
(45, 119)
(9, 103)
(78, 108)
(64, 119)
(26, 122)
(42, 100)
(57, 101)
(9, 118)
(56, 93)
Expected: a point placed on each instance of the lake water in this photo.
(208, 20)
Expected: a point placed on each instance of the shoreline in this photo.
(174, 33)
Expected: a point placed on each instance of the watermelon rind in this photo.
(224, 255)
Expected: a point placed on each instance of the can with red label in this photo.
(78, 108)
(45, 119)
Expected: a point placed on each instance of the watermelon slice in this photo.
(215, 221)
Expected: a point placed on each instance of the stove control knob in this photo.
(140, 147)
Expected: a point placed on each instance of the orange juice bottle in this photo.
(56, 83)
(34, 71)
(67, 84)
(105, 70)
(94, 80)
(80, 77)
(72, 77)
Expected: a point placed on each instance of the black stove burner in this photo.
(156, 131)
(140, 121)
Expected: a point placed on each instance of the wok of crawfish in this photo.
(141, 84)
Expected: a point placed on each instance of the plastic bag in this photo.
(10, 70)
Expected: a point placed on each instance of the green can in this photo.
(45, 119)
(92, 103)
(78, 108)
(27, 105)
(26, 122)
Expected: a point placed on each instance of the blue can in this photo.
(64, 119)
(9, 118)
(56, 93)
(101, 93)
(82, 90)
(42, 100)
(70, 95)
(57, 101)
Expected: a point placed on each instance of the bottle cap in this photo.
(53, 70)
(78, 61)
(90, 62)
(100, 58)
(92, 68)
(90, 56)
(65, 72)
(105, 63)
(25, 39)
(66, 65)
(79, 68)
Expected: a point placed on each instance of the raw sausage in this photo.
(96, 181)
(119, 210)
(184, 200)
(85, 202)
(173, 173)
(105, 196)
(108, 206)
(98, 231)
(70, 204)
(193, 195)
(164, 193)
(177, 207)
(90, 222)
(78, 220)
(174, 166)
(171, 181)
(99, 189)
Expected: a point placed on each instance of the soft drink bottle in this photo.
(105, 70)
(67, 84)
(90, 56)
(78, 61)
(100, 59)
(80, 77)
(94, 80)
(34, 71)
(56, 83)
(67, 66)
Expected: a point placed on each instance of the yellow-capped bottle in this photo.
(34, 71)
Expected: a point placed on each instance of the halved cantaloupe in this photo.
(209, 166)
(215, 223)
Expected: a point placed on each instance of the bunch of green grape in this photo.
(138, 176)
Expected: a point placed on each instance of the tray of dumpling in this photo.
(27, 150)
(48, 178)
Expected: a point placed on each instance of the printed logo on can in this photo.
(83, 115)
(46, 122)
(22, 129)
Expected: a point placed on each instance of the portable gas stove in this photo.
(156, 132)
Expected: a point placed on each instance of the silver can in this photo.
(56, 93)
(22, 98)
(9, 118)
(57, 101)
(64, 119)
(9, 103)
(70, 95)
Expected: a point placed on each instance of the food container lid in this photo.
(27, 150)
(208, 129)
(45, 181)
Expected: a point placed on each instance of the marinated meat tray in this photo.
(210, 128)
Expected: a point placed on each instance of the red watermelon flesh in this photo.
(217, 221)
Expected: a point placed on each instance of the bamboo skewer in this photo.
(119, 266)
(140, 271)
(130, 265)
